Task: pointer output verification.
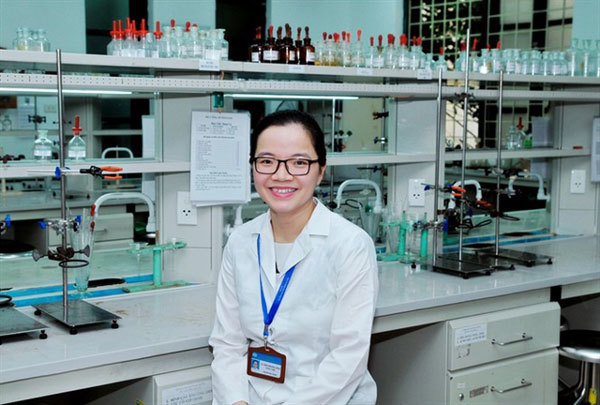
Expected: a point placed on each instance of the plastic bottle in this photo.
(256, 48)
(42, 146)
(390, 58)
(76, 149)
(270, 52)
(404, 57)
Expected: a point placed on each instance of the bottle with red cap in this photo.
(474, 59)
(76, 147)
(390, 58)
(116, 44)
(403, 53)
(358, 52)
(255, 52)
(497, 62)
(329, 53)
(485, 61)
(370, 53)
(345, 50)
(440, 63)
(270, 51)
(461, 61)
(307, 52)
(379, 59)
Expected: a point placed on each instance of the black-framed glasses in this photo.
(294, 166)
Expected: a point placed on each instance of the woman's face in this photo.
(286, 194)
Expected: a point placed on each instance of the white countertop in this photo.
(180, 319)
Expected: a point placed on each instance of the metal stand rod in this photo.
(464, 144)
(499, 161)
(436, 189)
(63, 181)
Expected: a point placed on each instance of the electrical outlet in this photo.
(187, 214)
(416, 192)
(577, 181)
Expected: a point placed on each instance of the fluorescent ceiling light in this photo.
(289, 97)
(66, 91)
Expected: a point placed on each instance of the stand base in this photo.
(16, 323)
(515, 256)
(484, 260)
(460, 268)
(80, 313)
(151, 287)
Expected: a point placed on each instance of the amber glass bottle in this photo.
(287, 50)
(307, 53)
(298, 44)
(255, 52)
(270, 51)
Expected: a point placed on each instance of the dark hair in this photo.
(282, 118)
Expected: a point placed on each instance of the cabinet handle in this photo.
(524, 338)
(524, 384)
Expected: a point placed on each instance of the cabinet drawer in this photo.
(530, 379)
(500, 335)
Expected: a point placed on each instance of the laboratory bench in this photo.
(168, 330)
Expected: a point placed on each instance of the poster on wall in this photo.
(219, 168)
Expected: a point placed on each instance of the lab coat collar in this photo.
(318, 224)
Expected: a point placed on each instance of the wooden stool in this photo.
(583, 345)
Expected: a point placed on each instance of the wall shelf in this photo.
(474, 154)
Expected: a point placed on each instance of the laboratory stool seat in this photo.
(584, 346)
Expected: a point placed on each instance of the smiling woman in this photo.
(297, 287)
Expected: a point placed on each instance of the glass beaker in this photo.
(82, 237)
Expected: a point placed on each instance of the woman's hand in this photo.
(240, 403)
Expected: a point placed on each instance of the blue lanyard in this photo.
(268, 316)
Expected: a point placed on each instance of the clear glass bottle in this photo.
(404, 57)
(415, 55)
(497, 62)
(535, 62)
(179, 45)
(485, 62)
(320, 50)
(512, 139)
(546, 68)
(6, 123)
(520, 134)
(23, 39)
(44, 40)
(358, 53)
(224, 44)
(164, 42)
(597, 70)
(573, 58)
(390, 58)
(116, 43)
(371, 53)
(510, 64)
(76, 148)
(346, 51)
(379, 60)
(474, 59)
(213, 46)
(587, 58)
(440, 63)
(195, 46)
(42, 146)
(461, 61)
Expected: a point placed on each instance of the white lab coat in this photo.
(324, 322)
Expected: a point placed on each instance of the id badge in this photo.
(264, 362)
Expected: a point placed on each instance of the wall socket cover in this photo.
(577, 182)
(416, 192)
(187, 214)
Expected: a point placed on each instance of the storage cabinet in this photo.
(504, 357)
